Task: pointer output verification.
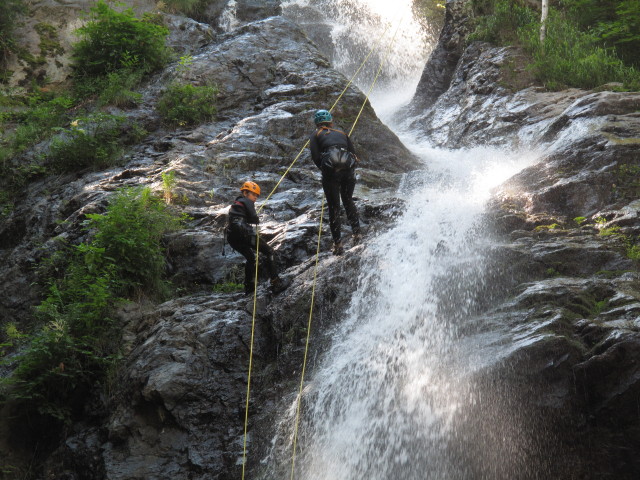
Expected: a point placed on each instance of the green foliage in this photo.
(92, 141)
(573, 54)
(115, 40)
(168, 184)
(610, 231)
(186, 104)
(228, 287)
(580, 220)
(552, 226)
(633, 251)
(10, 10)
(615, 22)
(117, 88)
(130, 234)
(499, 22)
(78, 344)
(599, 306)
(430, 13)
(28, 120)
(570, 57)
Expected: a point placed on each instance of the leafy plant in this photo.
(633, 251)
(168, 183)
(78, 344)
(615, 22)
(130, 234)
(228, 287)
(571, 55)
(117, 88)
(114, 40)
(28, 120)
(186, 104)
(607, 232)
(92, 141)
(500, 21)
(9, 11)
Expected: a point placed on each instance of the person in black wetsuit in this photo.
(333, 153)
(242, 238)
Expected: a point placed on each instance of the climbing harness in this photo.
(315, 273)
(253, 320)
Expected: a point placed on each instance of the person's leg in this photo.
(347, 185)
(331, 188)
(268, 255)
(240, 245)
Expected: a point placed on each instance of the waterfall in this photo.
(346, 30)
(393, 398)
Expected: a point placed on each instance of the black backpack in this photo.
(336, 159)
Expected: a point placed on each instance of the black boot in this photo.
(249, 288)
(277, 285)
(338, 248)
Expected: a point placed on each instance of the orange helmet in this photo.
(251, 187)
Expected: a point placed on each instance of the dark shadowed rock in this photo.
(176, 409)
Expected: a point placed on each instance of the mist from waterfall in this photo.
(393, 397)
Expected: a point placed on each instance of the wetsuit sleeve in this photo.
(350, 145)
(315, 150)
(252, 216)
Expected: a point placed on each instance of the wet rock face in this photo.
(176, 409)
(565, 231)
(48, 33)
(438, 72)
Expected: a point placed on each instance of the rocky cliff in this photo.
(564, 268)
(177, 406)
(565, 254)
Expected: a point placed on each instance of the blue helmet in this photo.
(322, 116)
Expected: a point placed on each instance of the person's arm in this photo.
(252, 215)
(351, 149)
(315, 150)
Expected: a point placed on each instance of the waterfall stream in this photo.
(392, 396)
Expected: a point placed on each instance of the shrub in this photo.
(130, 234)
(500, 22)
(9, 11)
(615, 22)
(186, 104)
(30, 119)
(569, 57)
(74, 350)
(92, 141)
(114, 40)
(117, 88)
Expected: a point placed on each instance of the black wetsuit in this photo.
(242, 238)
(336, 184)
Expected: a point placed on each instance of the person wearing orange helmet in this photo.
(333, 153)
(241, 236)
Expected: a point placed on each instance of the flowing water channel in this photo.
(393, 396)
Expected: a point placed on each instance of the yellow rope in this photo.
(253, 329)
(331, 109)
(306, 348)
(253, 320)
(315, 273)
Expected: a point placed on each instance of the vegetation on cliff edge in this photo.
(588, 43)
(59, 364)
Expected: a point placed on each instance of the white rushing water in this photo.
(387, 399)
